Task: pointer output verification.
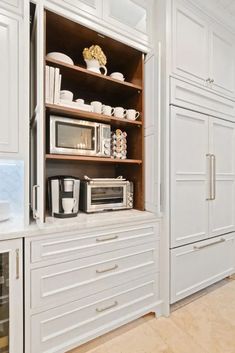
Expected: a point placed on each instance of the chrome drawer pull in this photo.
(107, 269)
(100, 310)
(99, 240)
(222, 240)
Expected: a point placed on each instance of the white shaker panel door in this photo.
(222, 147)
(189, 189)
(190, 44)
(9, 87)
(222, 61)
(93, 7)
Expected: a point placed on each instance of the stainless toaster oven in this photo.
(98, 195)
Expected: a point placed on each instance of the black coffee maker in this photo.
(63, 193)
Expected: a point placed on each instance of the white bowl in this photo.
(66, 95)
(60, 57)
(117, 76)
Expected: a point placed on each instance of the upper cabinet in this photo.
(222, 60)
(128, 15)
(15, 6)
(130, 20)
(202, 51)
(190, 45)
(85, 7)
(9, 88)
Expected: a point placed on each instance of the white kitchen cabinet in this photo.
(189, 146)
(196, 266)
(190, 44)
(82, 283)
(202, 51)
(202, 177)
(130, 16)
(15, 6)
(84, 7)
(222, 149)
(222, 60)
(11, 296)
(9, 88)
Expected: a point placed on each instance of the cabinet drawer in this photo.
(196, 266)
(65, 327)
(75, 245)
(61, 283)
(192, 97)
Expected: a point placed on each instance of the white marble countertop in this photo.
(14, 228)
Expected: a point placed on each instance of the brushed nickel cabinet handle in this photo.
(100, 310)
(107, 269)
(222, 240)
(99, 240)
(213, 179)
(209, 198)
(17, 264)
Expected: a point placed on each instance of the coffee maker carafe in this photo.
(63, 192)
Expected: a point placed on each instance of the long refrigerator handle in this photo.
(213, 177)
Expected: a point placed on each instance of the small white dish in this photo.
(117, 76)
(60, 57)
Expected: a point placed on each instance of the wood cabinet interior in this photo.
(68, 37)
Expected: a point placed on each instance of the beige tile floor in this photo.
(203, 323)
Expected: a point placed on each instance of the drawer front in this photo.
(196, 266)
(192, 97)
(63, 328)
(58, 284)
(75, 245)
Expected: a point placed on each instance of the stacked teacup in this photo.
(119, 144)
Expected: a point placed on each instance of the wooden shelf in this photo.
(80, 72)
(92, 159)
(76, 113)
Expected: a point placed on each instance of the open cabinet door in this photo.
(37, 115)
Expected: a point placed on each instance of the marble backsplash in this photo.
(12, 185)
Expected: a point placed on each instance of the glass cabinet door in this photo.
(136, 23)
(11, 297)
(4, 303)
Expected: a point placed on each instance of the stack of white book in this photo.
(53, 85)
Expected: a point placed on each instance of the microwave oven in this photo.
(106, 194)
(79, 137)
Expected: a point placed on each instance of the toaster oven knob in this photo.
(107, 145)
(107, 152)
(130, 204)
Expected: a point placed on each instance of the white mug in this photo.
(68, 204)
(132, 114)
(107, 110)
(119, 112)
(97, 107)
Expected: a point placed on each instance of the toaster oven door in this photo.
(106, 197)
(70, 136)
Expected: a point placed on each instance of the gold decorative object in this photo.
(95, 52)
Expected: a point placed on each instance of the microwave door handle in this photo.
(97, 147)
